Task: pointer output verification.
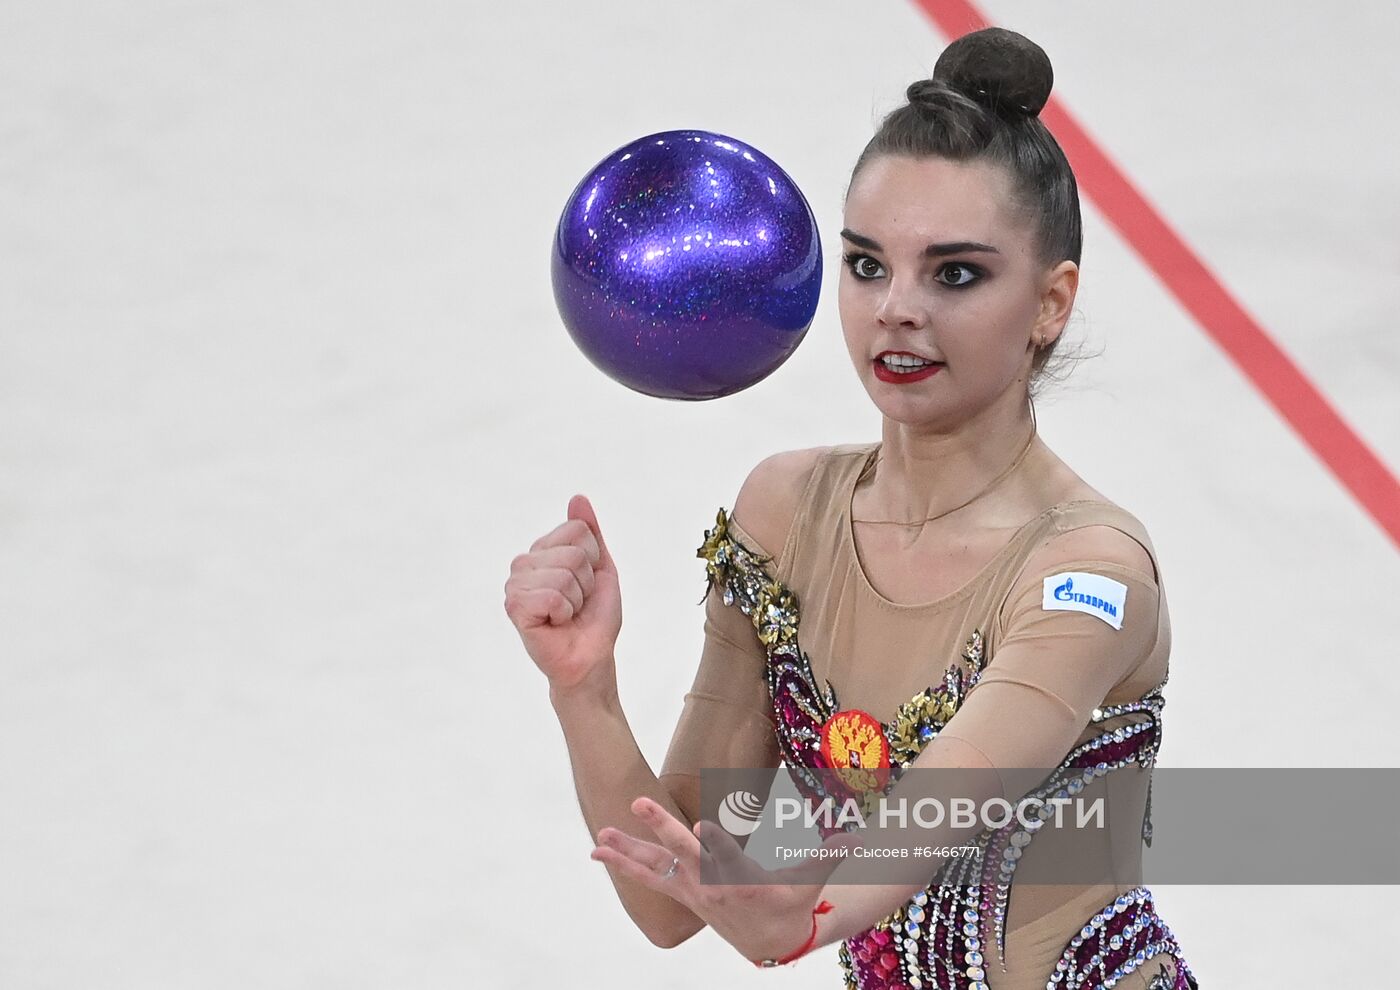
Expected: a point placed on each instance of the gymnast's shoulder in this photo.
(769, 498)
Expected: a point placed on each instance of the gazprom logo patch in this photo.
(1079, 591)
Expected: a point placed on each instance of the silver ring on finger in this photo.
(675, 864)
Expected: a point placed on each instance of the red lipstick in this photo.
(905, 377)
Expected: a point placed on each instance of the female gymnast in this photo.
(957, 557)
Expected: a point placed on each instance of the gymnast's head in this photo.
(962, 236)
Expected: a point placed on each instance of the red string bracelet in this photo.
(806, 946)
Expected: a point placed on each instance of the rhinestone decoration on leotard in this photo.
(1115, 942)
(937, 939)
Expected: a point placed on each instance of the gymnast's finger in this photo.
(647, 854)
(674, 835)
(718, 843)
(673, 886)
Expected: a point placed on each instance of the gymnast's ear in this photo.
(1058, 290)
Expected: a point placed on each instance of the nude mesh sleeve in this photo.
(1052, 668)
(726, 720)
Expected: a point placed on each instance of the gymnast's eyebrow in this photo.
(932, 251)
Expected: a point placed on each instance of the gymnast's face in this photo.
(937, 264)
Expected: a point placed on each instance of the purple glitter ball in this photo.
(687, 265)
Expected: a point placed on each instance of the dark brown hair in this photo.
(983, 104)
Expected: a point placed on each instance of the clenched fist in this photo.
(564, 599)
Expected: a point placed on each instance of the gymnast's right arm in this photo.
(564, 600)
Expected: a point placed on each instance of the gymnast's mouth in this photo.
(905, 362)
(901, 373)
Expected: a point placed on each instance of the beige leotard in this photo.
(1046, 671)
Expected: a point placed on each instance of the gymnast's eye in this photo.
(958, 266)
(966, 274)
(854, 262)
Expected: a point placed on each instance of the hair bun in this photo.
(1000, 69)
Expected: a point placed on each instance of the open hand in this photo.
(764, 914)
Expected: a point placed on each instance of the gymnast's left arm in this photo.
(1059, 658)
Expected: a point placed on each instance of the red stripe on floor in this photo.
(1247, 343)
